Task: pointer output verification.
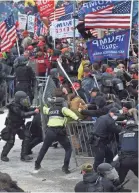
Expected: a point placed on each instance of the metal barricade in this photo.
(79, 134)
(41, 82)
(45, 91)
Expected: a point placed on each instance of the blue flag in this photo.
(93, 6)
(110, 46)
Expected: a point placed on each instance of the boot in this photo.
(33, 144)
(6, 150)
(37, 168)
(26, 158)
(65, 169)
(24, 151)
(1, 112)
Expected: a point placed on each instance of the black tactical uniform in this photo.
(35, 128)
(128, 155)
(104, 132)
(25, 77)
(18, 111)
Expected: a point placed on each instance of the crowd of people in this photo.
(100, 91)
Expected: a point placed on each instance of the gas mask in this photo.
(25, 102)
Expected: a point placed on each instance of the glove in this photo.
(79, 120)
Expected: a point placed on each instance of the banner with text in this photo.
(111, 46)
(63, 29)
(22, 19)
(31, 23)
(45, 7)
(93, 6)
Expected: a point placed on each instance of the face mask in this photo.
(115, 117)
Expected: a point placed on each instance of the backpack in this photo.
(107, 81)
(95, 187)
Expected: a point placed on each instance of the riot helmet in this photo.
(22, 98)
(57, 101)
(106, 170)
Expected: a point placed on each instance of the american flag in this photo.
(43, 30)
(117, 16)
(60, 12)
(7, 33)
(94, 32)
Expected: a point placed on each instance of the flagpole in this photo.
(74, 49)
(130, 31)
(54, 28)
(18, 50)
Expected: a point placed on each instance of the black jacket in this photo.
(101, 111)
(83, 95)
(35, 126)
(105, 127)
(17, 114)
(90, 179)
(25, 74)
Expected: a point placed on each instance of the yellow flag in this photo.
(29, 2)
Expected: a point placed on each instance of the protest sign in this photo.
(22, 19)
(63, 29)
(45, 7)
(31, 23)
(111, 46)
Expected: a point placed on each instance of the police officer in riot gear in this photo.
(19, 109)
(56, 130)
(128, 154)
(103, 134)
(106, 170)
(25, 77)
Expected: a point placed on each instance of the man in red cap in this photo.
(27, 40)
(81, 92)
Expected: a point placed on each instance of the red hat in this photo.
(76, 85)
(41, 43)
(30, 48)
(25, 32)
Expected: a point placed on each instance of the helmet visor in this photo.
(112, 174)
